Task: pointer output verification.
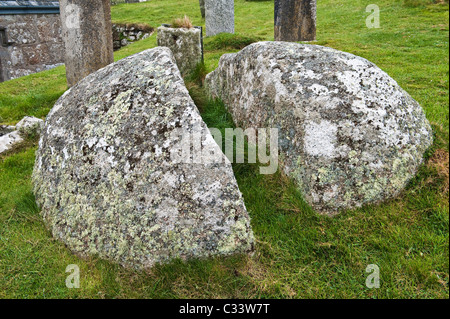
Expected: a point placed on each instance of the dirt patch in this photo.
(440, 162)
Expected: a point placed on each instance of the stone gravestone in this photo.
(202, 7)
(185, 44)
(219, 16)
(295, 20)
(86, 30)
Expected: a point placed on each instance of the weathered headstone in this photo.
(86, 30)
(185, 44)
(107, 182)
(219, 17)
(348, 133)
(295, 20)
(202, 7)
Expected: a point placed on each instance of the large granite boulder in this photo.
(348, 134)
(105, 179)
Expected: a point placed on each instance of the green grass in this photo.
(299, 254)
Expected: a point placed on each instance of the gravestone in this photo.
(86, 30)
(295, 20)
(202, 7)
(185, 44)
(219, 17)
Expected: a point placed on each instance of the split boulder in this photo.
(105, 180)
(348, 134)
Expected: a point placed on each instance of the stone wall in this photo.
(37, 44)
(123, 34)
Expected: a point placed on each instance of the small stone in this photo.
(117, 45)
(9, 140)
(30, 125)
(185, 44)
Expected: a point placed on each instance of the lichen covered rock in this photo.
(12, 136)
(30, 125)
(105, 180)
(5, 129)
(9, 140)
(349, 135)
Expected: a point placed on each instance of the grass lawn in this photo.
(299, 254)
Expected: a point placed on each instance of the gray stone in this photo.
(35, 44)
(117, 45)
(5, 129)
(295, 20)
(123, 34)
(30, 125)
(219, 16)
(349, 135)
(8, 141)
(86, 31)
(185, 44)
(11, 136)
(105, 180)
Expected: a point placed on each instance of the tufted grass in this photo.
(299, 254)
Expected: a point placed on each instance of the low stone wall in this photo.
(123, 34)
(37, 44)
